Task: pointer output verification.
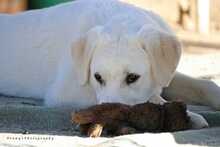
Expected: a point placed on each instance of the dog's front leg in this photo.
(197, 120)
(59, 94)
(66, 90)
(193, 91)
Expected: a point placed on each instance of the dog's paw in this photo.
(197, 121)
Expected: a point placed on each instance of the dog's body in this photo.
(36, 58)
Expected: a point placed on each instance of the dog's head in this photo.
(127, 69)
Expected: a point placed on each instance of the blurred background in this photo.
(196, 22)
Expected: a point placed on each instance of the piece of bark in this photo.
(95, 130)
(120, 119)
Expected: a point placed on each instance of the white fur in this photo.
(53, 54)
(35, 54)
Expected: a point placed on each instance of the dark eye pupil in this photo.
(98, 77)
(131, 78)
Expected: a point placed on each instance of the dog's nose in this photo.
(104, 100)
(100, 102)
(110, 100)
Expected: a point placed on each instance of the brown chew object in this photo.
(120, 119)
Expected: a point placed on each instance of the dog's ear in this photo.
(82, 51)
(164, 51)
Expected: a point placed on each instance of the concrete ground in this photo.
(201, 56)
(26, 123)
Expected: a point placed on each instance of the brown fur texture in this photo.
(121, 119)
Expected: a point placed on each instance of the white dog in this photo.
(87, 52)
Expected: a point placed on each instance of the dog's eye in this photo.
(131, 78)
(98, 78)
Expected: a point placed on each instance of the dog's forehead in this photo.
(119, 45)
(118, 59)
(119, 40)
